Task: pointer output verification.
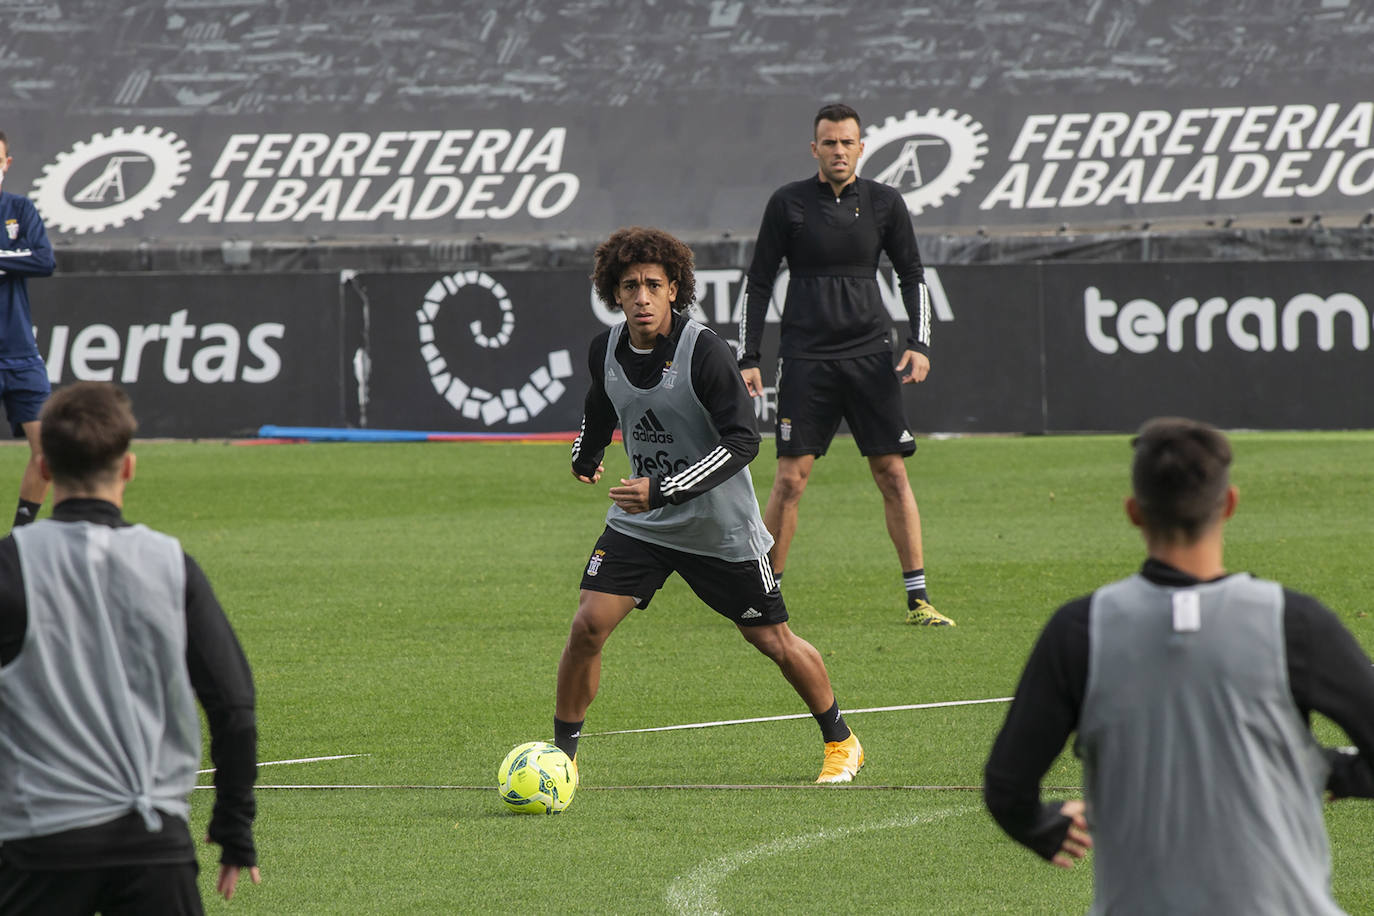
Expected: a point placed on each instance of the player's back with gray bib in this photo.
(97, 712)
(1203, 781)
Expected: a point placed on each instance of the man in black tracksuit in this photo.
(835, 354)
(109, 635)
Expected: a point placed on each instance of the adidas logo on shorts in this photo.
(750, 614)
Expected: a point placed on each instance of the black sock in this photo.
(565, 735)
(915, 582)
(27, 512)
(833, 727)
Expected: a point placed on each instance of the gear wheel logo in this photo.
(514, 406)
(960, 138)
(113, 203)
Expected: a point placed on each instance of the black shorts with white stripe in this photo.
(744, 592)
(864, 391)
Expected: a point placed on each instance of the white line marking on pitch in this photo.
(491, 788)
(801, 715)
(695, 892)
(804, 786)
(277, 763)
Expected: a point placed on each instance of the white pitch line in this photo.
(807, 786)
(696, 892)
(801, 715)
(260, 786)
(277, 763)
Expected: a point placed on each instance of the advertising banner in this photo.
(1118, 158)
(506, 352)
(472, 351)
(201, 356)
(1016, 348)
(1266, 345)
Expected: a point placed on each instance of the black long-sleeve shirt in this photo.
(1328, 673)
(718, 387)
(834, 308)
(223, 684)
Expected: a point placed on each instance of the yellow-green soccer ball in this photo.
(537, 778)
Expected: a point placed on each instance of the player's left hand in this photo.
(1078, 840)
(596, 475)
(913, 367)
(632, 495)
(228, 880)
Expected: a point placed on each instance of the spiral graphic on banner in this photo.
(543, 387)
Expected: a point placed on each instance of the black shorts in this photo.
(745, 592)
(125, 890)
(815, 394)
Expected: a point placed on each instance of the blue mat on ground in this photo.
(341, 434)
(333, 434)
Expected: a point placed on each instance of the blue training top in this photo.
(24, 252)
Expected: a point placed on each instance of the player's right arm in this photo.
(598, 417)
(1043, 714)
(769, 249)
(30, 253)
(14, 608)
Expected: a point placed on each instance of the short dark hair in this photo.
(86, 430)
(638, 245)
(1180, 476)
(835, 111)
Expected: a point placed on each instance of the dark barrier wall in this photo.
(1017, 348)
(207, 356)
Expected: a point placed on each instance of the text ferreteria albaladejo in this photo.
(1100, 159)
(357, 176)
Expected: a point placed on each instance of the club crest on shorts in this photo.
(594, 564)
(785, 429)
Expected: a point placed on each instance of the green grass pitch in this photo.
(409, 603)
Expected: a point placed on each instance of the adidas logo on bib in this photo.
(649, 429)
